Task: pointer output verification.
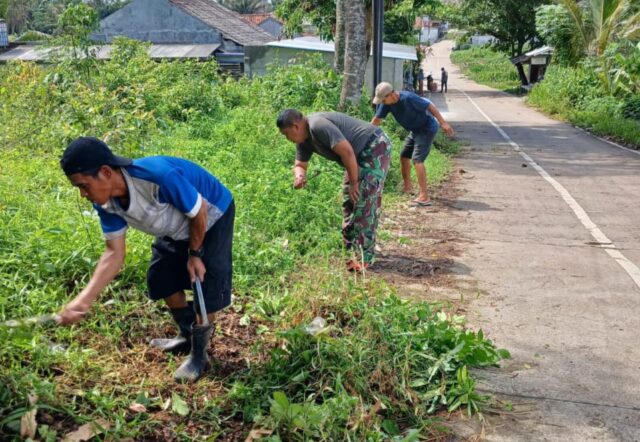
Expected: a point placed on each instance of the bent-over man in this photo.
(364, 151)
(190, 213)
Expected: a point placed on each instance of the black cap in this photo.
(87, 153)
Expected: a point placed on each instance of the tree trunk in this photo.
(355, 53)
(368, 26)
(339, 37)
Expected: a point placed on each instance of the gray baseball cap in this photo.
(382, 90)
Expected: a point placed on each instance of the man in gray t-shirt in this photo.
(364, 151)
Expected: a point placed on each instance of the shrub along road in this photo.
(552, 254)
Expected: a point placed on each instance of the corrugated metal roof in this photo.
(25, 53)
(157, 51)
(545, 50)
(228, 22)
(389, 50)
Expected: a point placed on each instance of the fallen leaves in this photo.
(257, 434)
(137, 408)
(179, 406)
(87, 431)
(28, 424)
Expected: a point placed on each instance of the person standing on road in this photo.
(364, 151)
(444, 78)
(420, 117)
(190, 213)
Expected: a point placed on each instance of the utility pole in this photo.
(378, 27)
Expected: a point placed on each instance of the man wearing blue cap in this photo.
(191, 215)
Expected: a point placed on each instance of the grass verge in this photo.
(379, 367)
(574, 95)
(488, 67)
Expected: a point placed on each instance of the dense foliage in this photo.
(597, 45)
(600, 94)
(42, 15)
(558, 30)
(375, 352)
(399, 17)
(512, 23)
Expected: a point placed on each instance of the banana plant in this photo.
(599, 22)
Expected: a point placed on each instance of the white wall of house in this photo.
(481, 40)
(429, 35)
(257, 58)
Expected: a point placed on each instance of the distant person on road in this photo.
(444, 78)
(430, 83)
(364, 151)
(420, 117)
(191, 215)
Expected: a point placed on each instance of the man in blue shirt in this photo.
(191, 215)
(421, 118)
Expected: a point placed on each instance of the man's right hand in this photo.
(447, 129)
(299, 181)
(73, 312)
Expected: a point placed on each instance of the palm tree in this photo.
(356, 53)
(244, 6)
(599, 21)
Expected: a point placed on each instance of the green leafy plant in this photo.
(349, 379)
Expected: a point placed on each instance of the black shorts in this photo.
(168, 274)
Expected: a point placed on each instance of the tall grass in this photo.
(377, 351)
(489, 67)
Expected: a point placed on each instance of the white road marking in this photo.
(605, 243)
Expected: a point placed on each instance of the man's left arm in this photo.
(197, 231)
(345, 151)
(446, 127)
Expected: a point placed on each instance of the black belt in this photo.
(378, 133)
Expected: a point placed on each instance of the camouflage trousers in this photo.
(361, 219)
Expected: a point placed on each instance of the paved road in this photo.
(555, 262)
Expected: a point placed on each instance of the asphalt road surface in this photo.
(553, 220)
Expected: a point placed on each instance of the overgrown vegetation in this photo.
(487, 66)
(512, 23)
(42, 15)
(596, 80)
(380, 368)
(579, 96)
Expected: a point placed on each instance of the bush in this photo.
(631, 108)
(32, 36)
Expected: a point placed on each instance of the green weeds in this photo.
(489, 67)
(379, 370)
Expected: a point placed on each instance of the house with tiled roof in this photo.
(265, 21)
(193, 26)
